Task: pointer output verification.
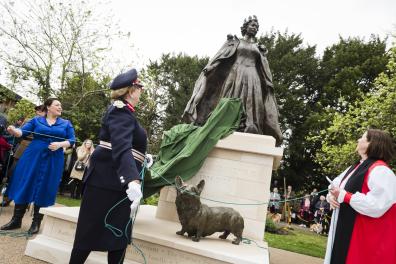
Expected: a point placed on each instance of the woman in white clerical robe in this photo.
(363, 226)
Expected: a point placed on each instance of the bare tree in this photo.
(45, 41)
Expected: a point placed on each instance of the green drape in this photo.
(185, 146)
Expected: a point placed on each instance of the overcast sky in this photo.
(200, 27)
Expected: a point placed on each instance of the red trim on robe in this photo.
(373, 240)
(347, 197)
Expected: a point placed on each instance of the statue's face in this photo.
(252, 28)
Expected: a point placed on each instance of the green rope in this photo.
(119, 233)
(249, 241)
(15, 234)
(223, 202)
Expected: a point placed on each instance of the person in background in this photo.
(322, 209)
(37, 175)
(67, 167)
(288, 207)
(39, 110)
(4, 148)
(19, 122)
(363, 226)
(19, 147)
(113, 174)
(314, 198)
(274, 201)
(305, 213)
(84, 152)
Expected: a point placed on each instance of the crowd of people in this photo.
(307, 210)
(39, 157)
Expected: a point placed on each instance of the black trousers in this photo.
(79, 256)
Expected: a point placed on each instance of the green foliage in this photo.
(310, 91)
(84, 99)
(152, 200)
(376, 110)
(22, 108)
(7, 94)
(299, 241)
(177, 75)
(66, 201)
(150, 109)
(349, 69)
(171, 81)
(270, 226)
(295, 70)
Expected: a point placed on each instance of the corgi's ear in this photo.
(200, 186)
(178, 182)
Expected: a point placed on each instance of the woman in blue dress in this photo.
(38, 173)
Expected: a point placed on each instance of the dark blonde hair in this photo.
(381, 145)
(120, 93)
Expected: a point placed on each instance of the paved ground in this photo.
(12, 249)
(279, 256)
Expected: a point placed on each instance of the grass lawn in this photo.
(67, 201)
(299, 241)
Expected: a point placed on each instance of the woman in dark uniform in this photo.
(113, 173)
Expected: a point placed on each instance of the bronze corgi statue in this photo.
(199, 220)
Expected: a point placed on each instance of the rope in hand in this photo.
(119, 233)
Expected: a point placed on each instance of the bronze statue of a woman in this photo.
(240, 70)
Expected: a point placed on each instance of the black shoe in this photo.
(16, 220)
(37, 218)
(15, 223)
(35, 227)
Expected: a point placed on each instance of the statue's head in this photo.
(251, 20)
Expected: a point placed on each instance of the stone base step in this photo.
(155, 237)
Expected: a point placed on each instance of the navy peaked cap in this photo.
(126, 79)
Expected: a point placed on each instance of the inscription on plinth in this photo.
(237, 177)
(157, 254)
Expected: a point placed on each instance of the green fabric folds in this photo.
(185, 146)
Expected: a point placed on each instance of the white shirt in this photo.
(380, 197)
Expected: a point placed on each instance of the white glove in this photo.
(134, 193)
(134, 207)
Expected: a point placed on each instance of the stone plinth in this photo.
(237, 171)
(155, 237)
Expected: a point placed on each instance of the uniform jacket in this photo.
(115, 168)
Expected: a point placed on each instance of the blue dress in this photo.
(39, 170)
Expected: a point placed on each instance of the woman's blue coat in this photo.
(39, 170)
